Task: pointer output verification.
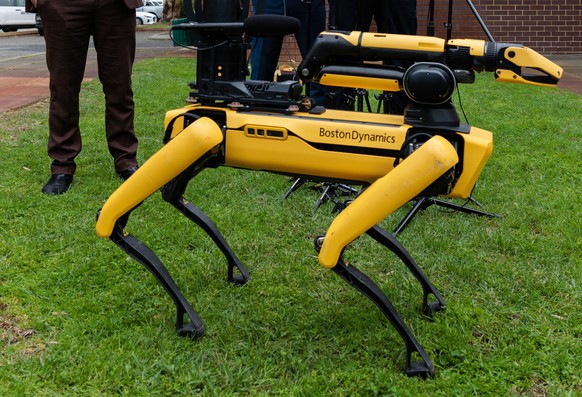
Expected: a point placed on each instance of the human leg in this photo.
(264, 57)
(265, 51)
(396, 17)
(343, 14)
(66, 34)
(312, 18)
(400, 17)
(114, 38)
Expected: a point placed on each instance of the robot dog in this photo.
(274, 127)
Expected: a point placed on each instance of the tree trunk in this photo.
(172, 9)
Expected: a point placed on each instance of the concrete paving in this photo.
(24, 83)
(572, 64)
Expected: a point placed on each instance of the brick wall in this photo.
(547, 26)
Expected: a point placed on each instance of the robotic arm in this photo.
(510, 62)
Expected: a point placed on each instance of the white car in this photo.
(14, 17)
(144, 18)
(154, 6)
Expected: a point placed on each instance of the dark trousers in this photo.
(68, 26)
(265, 51)
(391, 16)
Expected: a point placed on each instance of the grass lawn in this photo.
(80, 318)
(162, 26)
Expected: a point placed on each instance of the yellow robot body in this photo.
(334, 146)
(477, 151)
(316, 146)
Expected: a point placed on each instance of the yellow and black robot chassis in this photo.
(271, 126)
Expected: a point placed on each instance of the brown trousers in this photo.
(68, 26)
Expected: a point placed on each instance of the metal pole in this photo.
(430, 27)
(483, 26)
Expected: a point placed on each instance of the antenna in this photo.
(449, 24)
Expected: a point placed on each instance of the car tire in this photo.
(138, 21)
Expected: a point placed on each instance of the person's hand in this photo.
(34, 2)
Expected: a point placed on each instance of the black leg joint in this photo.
(172, 193)
(141, 253)
(357, 279)
(196, 215)
(390, 242)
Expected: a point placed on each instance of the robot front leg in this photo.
(368, 288)
(194, 145)
(387, 194)
(146, 257)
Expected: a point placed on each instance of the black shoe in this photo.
(58, 184)
(125, 174)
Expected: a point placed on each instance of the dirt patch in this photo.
(10, 330)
